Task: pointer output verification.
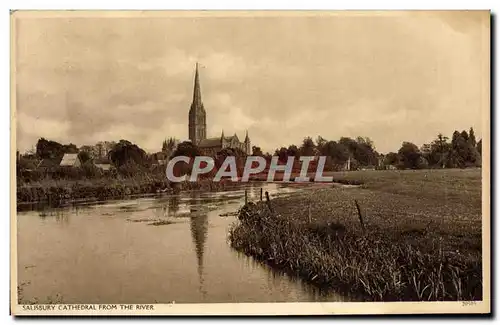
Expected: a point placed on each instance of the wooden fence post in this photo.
(261, 194)
(246, 196)
(269, 201)
(360, 215)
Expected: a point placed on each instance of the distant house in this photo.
(158, 159)
(104, 167)
(70, 160)
(159, 156)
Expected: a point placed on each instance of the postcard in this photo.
(250, 162)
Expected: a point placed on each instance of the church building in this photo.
(198, 127)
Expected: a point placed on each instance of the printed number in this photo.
(468, 303)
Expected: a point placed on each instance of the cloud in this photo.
(392, 77)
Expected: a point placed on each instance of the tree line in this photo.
(359, 152)
(462, 151)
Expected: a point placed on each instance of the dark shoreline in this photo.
(74, 192)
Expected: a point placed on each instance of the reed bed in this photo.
(419, 237)
(371, 266)
(53, 191)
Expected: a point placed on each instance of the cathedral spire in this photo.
(246, 137)
(197, 90)
(197, 114)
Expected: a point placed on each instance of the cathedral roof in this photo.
(215, 142)
(231, 137)
(210, 142)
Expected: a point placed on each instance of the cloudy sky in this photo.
(392, 77)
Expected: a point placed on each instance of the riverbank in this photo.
(337, 178)
(53, 191)
(416, 244)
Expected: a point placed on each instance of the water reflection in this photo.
(193, 269)
(198, 223)
(62, 218)
(61, 215)
(278, 278)
(173, 205)
(199, 226)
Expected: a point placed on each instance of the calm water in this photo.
(117, 253)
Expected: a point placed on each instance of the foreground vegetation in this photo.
(420, 238)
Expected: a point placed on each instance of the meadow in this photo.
(419, 236)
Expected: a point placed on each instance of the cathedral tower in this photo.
(197, 114)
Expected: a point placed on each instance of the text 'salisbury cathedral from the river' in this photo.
(198, 127)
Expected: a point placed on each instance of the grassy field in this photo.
(422, 237)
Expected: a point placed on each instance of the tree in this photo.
(282, 154)
(127, 153)
(409, 155)
(337, 151)
(465, 135)
(89, 169)
(49, 149)
(307, 148)
(84, 156)
(320, 142)
(440, 151)
(472, 137)
(426, 151)
(186, 148)
(391, 158)
(256, 151)
(70, 148)
(456, 154)
(480, 147)
(226, 152)
(366, 141)
(474, 157)
(349, 143)
(52, 149)
(100, 150)
(292, 151)
(361, 149)
(169, 145)
(463, 154)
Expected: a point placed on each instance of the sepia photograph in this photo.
(250, 162)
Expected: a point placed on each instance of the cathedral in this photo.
(198, 127)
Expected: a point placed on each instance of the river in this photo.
(149, 250)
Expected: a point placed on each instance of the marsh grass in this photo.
(423, 237)
(54, 191)
(378, 266)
